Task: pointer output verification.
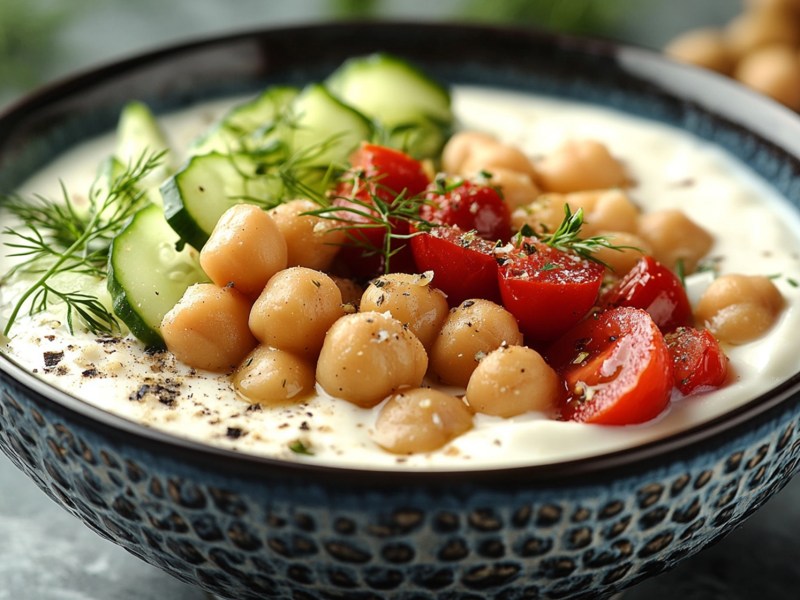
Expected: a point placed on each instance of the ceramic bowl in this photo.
(250, 528)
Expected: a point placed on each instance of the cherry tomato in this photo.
(548, 290)
(469, 206)
(616, 367)
(653, 287)
(463, 264)
(384, 174)
(698, 361)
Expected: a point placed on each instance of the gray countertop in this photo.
(46, 554)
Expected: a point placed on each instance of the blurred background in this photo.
(41, 40)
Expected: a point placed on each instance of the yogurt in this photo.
(756, 232)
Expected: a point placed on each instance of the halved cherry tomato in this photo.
(653, 287)
(698, 361)
(616, 367)
(463, 264)
(469, 206)
(548, 290)
(384, 174)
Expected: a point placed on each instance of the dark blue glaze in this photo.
(244, 527)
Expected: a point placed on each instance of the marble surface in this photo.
(46, 554)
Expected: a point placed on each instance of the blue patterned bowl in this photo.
(250, 528)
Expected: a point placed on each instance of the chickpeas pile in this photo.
(760, 48)
(273, 318)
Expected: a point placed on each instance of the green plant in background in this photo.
(596, 17)
(27, 39)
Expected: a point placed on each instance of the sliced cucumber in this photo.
(140, 135)
(249, 125)
(147, 275)
(413, 111)
(324, 130)
(197, 195)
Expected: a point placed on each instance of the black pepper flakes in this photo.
(51, 359)
(234, 433)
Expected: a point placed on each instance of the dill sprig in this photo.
(567, 237)
(376, 212)
(56, 237)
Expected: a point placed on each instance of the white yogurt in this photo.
(755, 231)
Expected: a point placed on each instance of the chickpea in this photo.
(542, 215)
(420, 420)
(207, 328)
(706, 48)
(311, 241)
(761, 27)
(580, 165)
(459, 147)
(739, 308)
(633, 248)
(604, 209)
(245, 249)
(367, 356)
(351, 291)
(513, 380)
(411, 300)
(773, 71)
(470, 152)
(294, 311)
(271, 376)
(490, 156)
(518, 189)
(674, 238)
(470, 332)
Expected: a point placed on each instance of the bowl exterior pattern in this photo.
(250, 538)
(248, 529)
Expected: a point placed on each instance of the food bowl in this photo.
(242, 526)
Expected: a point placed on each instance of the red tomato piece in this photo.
(548, 290)
(654, 288)
(379, 173)
(616, 367)
(463, 264)
(698, 361)
(471, 207)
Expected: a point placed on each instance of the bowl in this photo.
(246, 527)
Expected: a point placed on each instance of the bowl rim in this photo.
(646, 64)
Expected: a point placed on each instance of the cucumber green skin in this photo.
(144, 283)
(321, 116)
(243, 126)
(412, 110)
(140, 134)
(197, 195)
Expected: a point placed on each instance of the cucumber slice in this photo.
(249, 125)
(324, 131)
(413, 110)
(197, 195)
(139, 134)
(147, 275)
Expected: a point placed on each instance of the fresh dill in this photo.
(58, 237)
(567, 238)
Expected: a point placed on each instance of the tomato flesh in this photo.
(616, 367)
(548, 290)
(463, 264)
(698, 361)
(469, 206)
(382, 173)
(654, 288)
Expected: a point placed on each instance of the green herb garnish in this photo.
(57, 237)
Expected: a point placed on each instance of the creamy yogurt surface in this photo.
(756, 233)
